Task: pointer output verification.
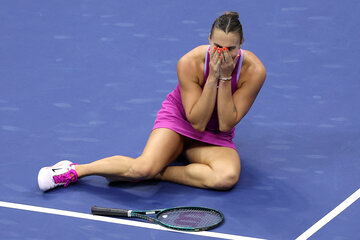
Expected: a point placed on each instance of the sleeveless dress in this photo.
(172, 113)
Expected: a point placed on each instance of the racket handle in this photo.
(115, 212)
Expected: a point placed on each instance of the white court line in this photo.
(331, 215)
(117, 220)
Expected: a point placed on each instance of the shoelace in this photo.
(66, 178)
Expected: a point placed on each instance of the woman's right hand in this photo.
(215, 62)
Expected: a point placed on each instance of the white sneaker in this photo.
(61, 174)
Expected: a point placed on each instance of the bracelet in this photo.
(226, 79)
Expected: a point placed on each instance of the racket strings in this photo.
(190, 218)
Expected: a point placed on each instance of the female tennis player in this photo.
(218, 83)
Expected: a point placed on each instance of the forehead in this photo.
(225, 39)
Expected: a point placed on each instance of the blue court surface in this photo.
(83, 80)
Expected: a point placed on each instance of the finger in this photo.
(212, 50)
(227, 56)
(219, 50)
(220, 58)
(215, 57)
(221, 53)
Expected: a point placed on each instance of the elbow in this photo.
(198, 127)
(225, 127)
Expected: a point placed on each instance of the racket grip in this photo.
(114, 212)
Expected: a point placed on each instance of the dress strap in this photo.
(206, 60)
(240, 63)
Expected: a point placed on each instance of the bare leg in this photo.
(211, 166)
(118, 167)
(163, 147)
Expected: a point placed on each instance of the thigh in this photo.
(162, 148)
(217, 157)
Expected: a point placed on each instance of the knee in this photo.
(225, 179)
(142, 170)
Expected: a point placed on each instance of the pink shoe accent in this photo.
(66, 178)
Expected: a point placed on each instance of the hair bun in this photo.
(233, 14)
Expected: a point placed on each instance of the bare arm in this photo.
(198, 103)
(233, 107)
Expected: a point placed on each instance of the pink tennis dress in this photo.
(172, 114)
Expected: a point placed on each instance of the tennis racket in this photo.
(178, 218)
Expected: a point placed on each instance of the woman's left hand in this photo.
(227, 63)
